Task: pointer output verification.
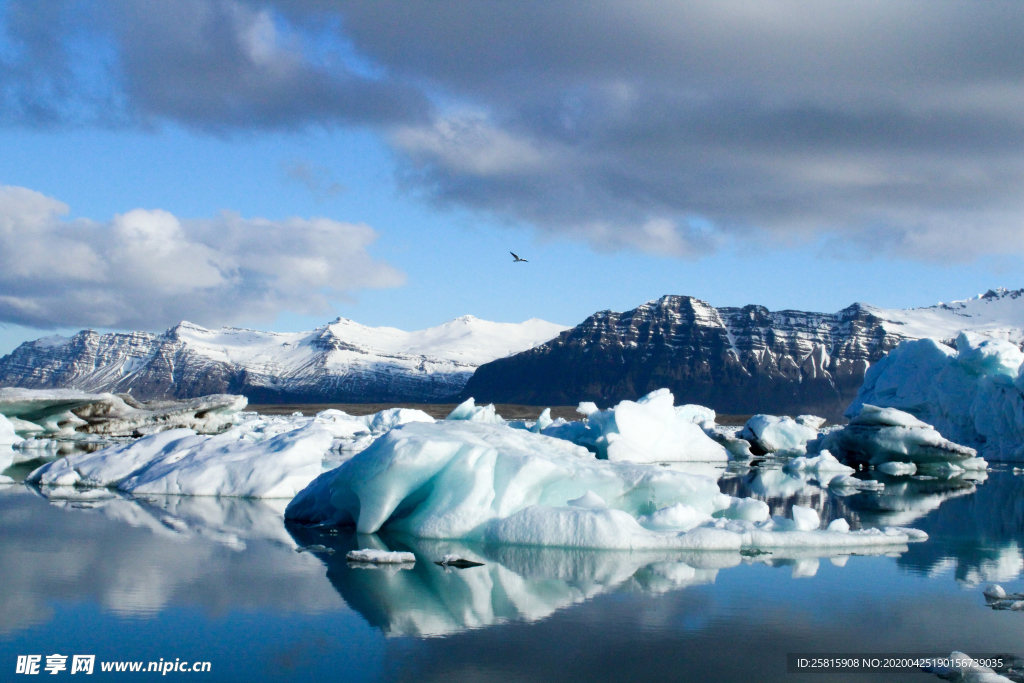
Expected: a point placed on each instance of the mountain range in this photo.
(341, 362)
(735, 360)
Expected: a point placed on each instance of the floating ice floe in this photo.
(379, 556)
(772, 433)
(69, 413)
(973, 395)
(877, 435)
(484, 482)
(822, 463)
(648, 430)
(997, 598)
(180, 462)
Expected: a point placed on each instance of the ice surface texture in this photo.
(478, 481)
(973, 395)
(776, 433)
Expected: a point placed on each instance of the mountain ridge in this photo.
(341, 361)
(737, 360)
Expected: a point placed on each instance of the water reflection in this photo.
(136, 557)
(139, 556)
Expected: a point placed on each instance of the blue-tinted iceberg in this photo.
(485, 482)
(878, 435)
(973, 395)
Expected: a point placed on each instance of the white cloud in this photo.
(149, 269)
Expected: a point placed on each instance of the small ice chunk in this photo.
(805, 519)
(315, 549)
(973, 464)
(457, 561)
(379, 556)
(468, 410)
(750, 509)
(994, 591)
(589, 500)
(775, 433)
(587, 408)
(839, 525)
(543, 422)
(898, 469)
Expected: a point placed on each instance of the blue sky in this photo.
(462, 162)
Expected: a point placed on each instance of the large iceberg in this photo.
(878, 435)
(651, 429)
(483, 482)
(70, 413)
(973, 395)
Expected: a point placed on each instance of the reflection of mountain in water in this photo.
(782, 490)
(978, 536)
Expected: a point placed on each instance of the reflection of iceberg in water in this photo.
(518, 583)
(976, 536)
(135, 557)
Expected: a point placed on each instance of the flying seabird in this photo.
(517, 259)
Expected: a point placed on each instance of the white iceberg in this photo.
(973, 395)
(180, 462)
(8, 437)
(379, 556)
(876, 435)
(483, 482)
(773, 433)
(648, 430)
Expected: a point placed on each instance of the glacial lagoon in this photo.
(221, 580)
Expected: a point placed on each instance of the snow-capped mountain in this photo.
(735, 360)
(339, 362)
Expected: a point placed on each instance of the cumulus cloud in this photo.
(149, 269)
(887, 127)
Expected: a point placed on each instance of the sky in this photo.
(278, 164)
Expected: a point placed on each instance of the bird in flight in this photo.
(517, 259)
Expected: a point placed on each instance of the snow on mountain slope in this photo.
(999, 313)
(341, 361)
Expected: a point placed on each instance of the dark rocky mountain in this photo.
(735, 360)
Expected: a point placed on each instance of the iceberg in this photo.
(8, 437)
(181, 462)
(877, 435)
(470, 411)
(644, 431)
(895, 468)
(821, 464)
(483, 482)
(974, 395)
(773, 433)
(69, 413)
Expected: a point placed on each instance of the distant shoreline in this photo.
(439, 411)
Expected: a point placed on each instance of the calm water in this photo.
(220, 581)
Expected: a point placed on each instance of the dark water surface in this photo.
(219, 580)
